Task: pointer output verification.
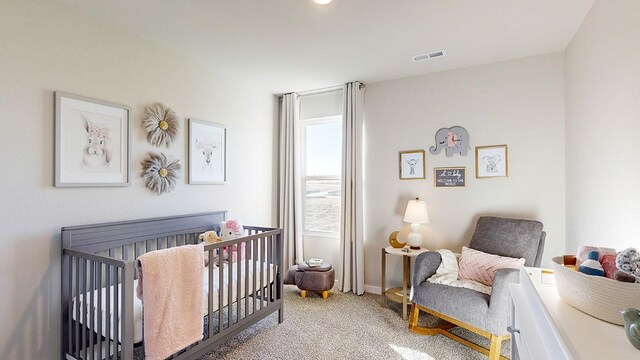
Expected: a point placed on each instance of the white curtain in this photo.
(351, 276)
(290, 201)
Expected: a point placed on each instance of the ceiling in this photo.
(296, 45)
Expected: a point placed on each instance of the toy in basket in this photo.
(598, 296)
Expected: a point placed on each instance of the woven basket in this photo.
(597, 296)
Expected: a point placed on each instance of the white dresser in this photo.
(545, 327)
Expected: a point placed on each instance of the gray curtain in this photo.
(351, 271)
(289, 199)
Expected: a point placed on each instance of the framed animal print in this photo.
(92, 142)
(412, 164)
(492, 161)
(207, 152)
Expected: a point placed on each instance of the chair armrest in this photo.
(500, 302)
(425, 266)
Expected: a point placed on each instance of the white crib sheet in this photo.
(137, 304)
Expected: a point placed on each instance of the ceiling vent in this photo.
(431, 55)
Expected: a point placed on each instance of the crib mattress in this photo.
(137, 304)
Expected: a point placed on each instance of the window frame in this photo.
(304, 123)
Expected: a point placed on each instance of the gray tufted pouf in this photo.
(318, 278)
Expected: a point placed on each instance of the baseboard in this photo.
(372, 289)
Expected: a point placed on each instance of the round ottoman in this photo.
(306, 278)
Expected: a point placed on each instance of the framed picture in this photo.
(207, 152)
(492, 161)
(92, 143)
(449, 177)
(412, 164)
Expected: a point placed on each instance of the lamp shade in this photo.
(416, 212)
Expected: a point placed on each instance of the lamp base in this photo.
(414, 238)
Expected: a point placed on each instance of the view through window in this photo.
(321, 168)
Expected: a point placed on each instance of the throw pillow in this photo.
(481, 267)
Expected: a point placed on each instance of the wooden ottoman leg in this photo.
(303, 293)
(325, 294)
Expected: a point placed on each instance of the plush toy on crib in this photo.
(211, 237)
(229, 230)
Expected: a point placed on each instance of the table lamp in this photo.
(416, 214)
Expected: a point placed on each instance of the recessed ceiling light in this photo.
(322, 2)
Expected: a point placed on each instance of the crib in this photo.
(102, 318)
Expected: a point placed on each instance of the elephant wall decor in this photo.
(453, 140)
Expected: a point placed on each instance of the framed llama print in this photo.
(412, 164)
(207, 152)
(492, 161)
(92, 142)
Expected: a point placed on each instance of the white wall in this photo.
(519, 103)
(602, 126)
(46, 47)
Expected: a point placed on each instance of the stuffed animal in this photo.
(229, 230)
(211, 237)
(628, 260)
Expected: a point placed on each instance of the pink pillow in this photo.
(481, 267)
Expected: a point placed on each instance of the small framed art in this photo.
(92, 142)
(412, 164)
(207, 152)
(492, 161)
(449, 177)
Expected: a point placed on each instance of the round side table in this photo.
(398, 294)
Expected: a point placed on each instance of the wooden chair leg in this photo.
(495, 345)
(413, 316)
(303, 293)
(325, 294)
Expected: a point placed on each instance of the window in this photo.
(321, 169)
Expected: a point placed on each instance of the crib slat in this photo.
(77, 297)
(230, 286)
(220, 292)
(83, 291)
(116, 312)
(239, 281)
(107, 311)
(255, 269)
(269, 267)
(69, 263)
(246, 278)
(92, 325)
(262, 260)
(100, 310)
(210, 292)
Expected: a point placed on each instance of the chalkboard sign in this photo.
(449, 176)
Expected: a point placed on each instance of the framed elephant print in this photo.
(492, 161)
(92, 142)
(207, 152)
(412, 164)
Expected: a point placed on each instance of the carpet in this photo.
(344, 326)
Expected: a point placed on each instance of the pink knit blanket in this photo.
(171, 288)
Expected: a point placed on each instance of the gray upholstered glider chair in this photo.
(486, 315)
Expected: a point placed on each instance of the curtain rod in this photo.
(319, 91)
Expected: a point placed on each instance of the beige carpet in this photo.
(345, 326)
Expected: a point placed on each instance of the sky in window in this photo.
(324, 149)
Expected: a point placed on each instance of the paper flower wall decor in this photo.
(161, 123)
(160, 173)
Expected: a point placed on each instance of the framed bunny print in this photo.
(92, 142)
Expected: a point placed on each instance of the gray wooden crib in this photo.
(101, 318)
